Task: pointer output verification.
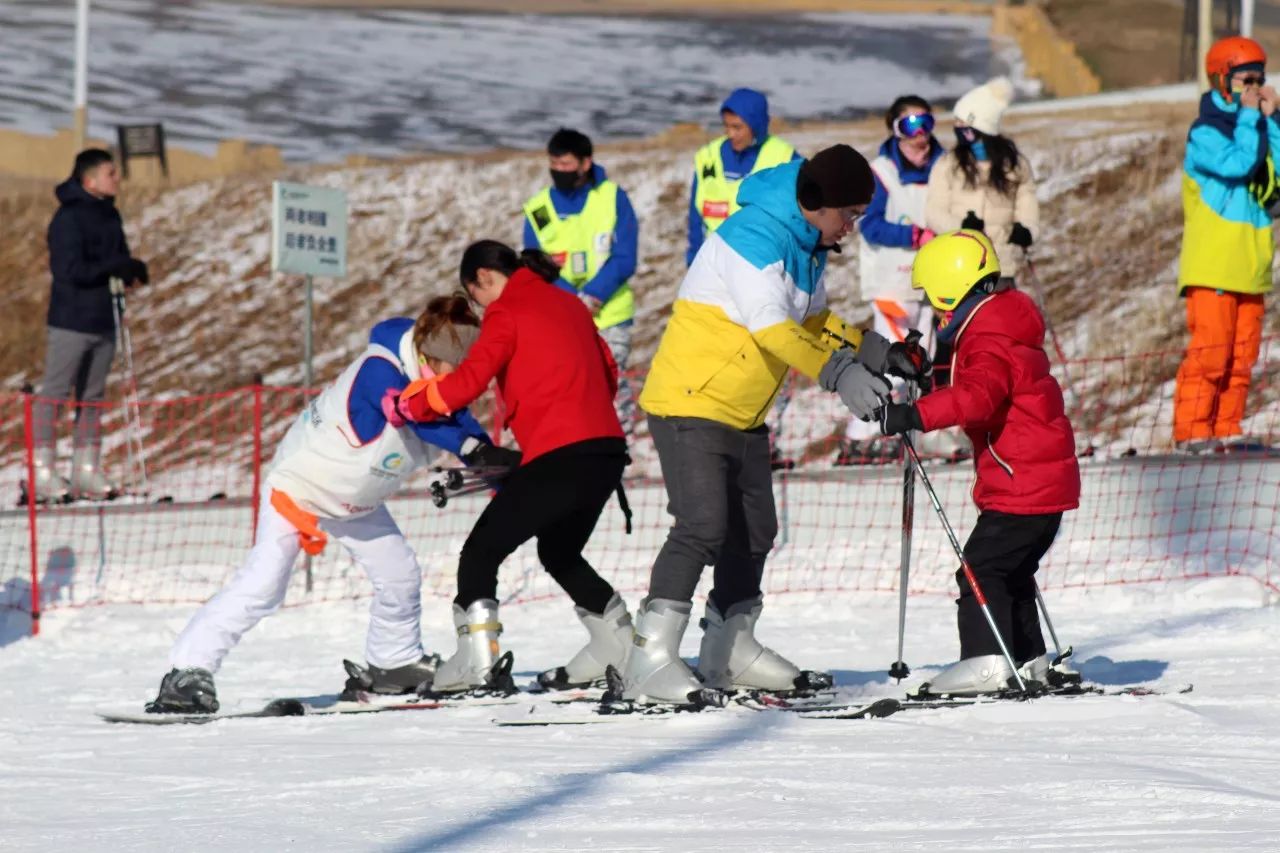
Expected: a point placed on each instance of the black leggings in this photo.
(558, 498)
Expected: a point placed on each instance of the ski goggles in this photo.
(917, 124)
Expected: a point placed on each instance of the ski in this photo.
(872, 710)
(277, 708)
(858, 711)
(305, 708)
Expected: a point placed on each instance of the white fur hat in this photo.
(981, 108)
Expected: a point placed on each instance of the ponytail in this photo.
(493, 255)
(540, 264)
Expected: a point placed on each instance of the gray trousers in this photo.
(619, 340)
(73, 360)
(720, 493)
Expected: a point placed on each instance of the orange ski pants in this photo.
(1213, 381)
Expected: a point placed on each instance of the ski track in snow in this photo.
(1184, 772)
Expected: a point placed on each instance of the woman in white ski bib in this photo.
(343, 457)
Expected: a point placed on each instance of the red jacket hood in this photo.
(1010, 314)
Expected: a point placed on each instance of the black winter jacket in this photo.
(86, 247)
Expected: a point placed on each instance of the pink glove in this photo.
(920, 236)
(389, 409)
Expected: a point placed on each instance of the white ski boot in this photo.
(732, 658)
(472, 667)
(87, 479)
(1052, 671)
(975, 676)
(654, 673)
(611, 634)
(51, 487)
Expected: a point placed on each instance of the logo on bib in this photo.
(715, 210)
(392, 461)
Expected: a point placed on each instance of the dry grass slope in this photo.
(215, 316)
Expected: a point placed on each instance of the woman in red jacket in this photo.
(558, 380)
(1011, 407)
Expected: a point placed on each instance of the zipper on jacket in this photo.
(1008, 469)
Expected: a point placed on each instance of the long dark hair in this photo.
(492, 255)
(1003, 155)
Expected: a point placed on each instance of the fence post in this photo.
(28, 436)
(257, 456)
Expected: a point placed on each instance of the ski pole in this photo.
(899, 669)
(440, 497)
(133, 404)
(1057, 646)
(964, 563)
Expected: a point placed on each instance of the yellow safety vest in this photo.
(581, 243)
(716, 198)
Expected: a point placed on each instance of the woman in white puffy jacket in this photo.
(985, 183)
(347, 452)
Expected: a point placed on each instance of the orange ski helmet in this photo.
(1228, 54)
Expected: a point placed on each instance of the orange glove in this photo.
(310, 536)
(421, 401)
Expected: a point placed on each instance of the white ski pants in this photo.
(258, 588)
(894, 320)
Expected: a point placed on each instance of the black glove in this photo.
(897, 418)
(972, 222)
(911, 361)
(500, 460)
(130, 270)
(1020, 236)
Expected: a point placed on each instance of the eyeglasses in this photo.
(1252, 80)
(916, 124)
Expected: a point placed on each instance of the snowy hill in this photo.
(215, 316)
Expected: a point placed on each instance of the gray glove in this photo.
(873, 352)
(861, 390)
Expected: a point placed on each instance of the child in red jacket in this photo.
(1011, 407)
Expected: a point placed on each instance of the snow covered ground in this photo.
(1180, 772)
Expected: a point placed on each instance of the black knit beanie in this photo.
(835, 177)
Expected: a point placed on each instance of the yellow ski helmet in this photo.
(952, 264)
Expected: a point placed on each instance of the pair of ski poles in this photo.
(911, 468)
(133, 403)
(459, 482)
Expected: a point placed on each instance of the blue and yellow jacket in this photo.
(1226, 238)
(751, 306)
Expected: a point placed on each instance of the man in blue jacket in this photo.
(87, 248)
(586, 223)
(719, 166)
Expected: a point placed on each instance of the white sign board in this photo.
(308, 230)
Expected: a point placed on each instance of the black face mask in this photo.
(966, 136)
(566, 182)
